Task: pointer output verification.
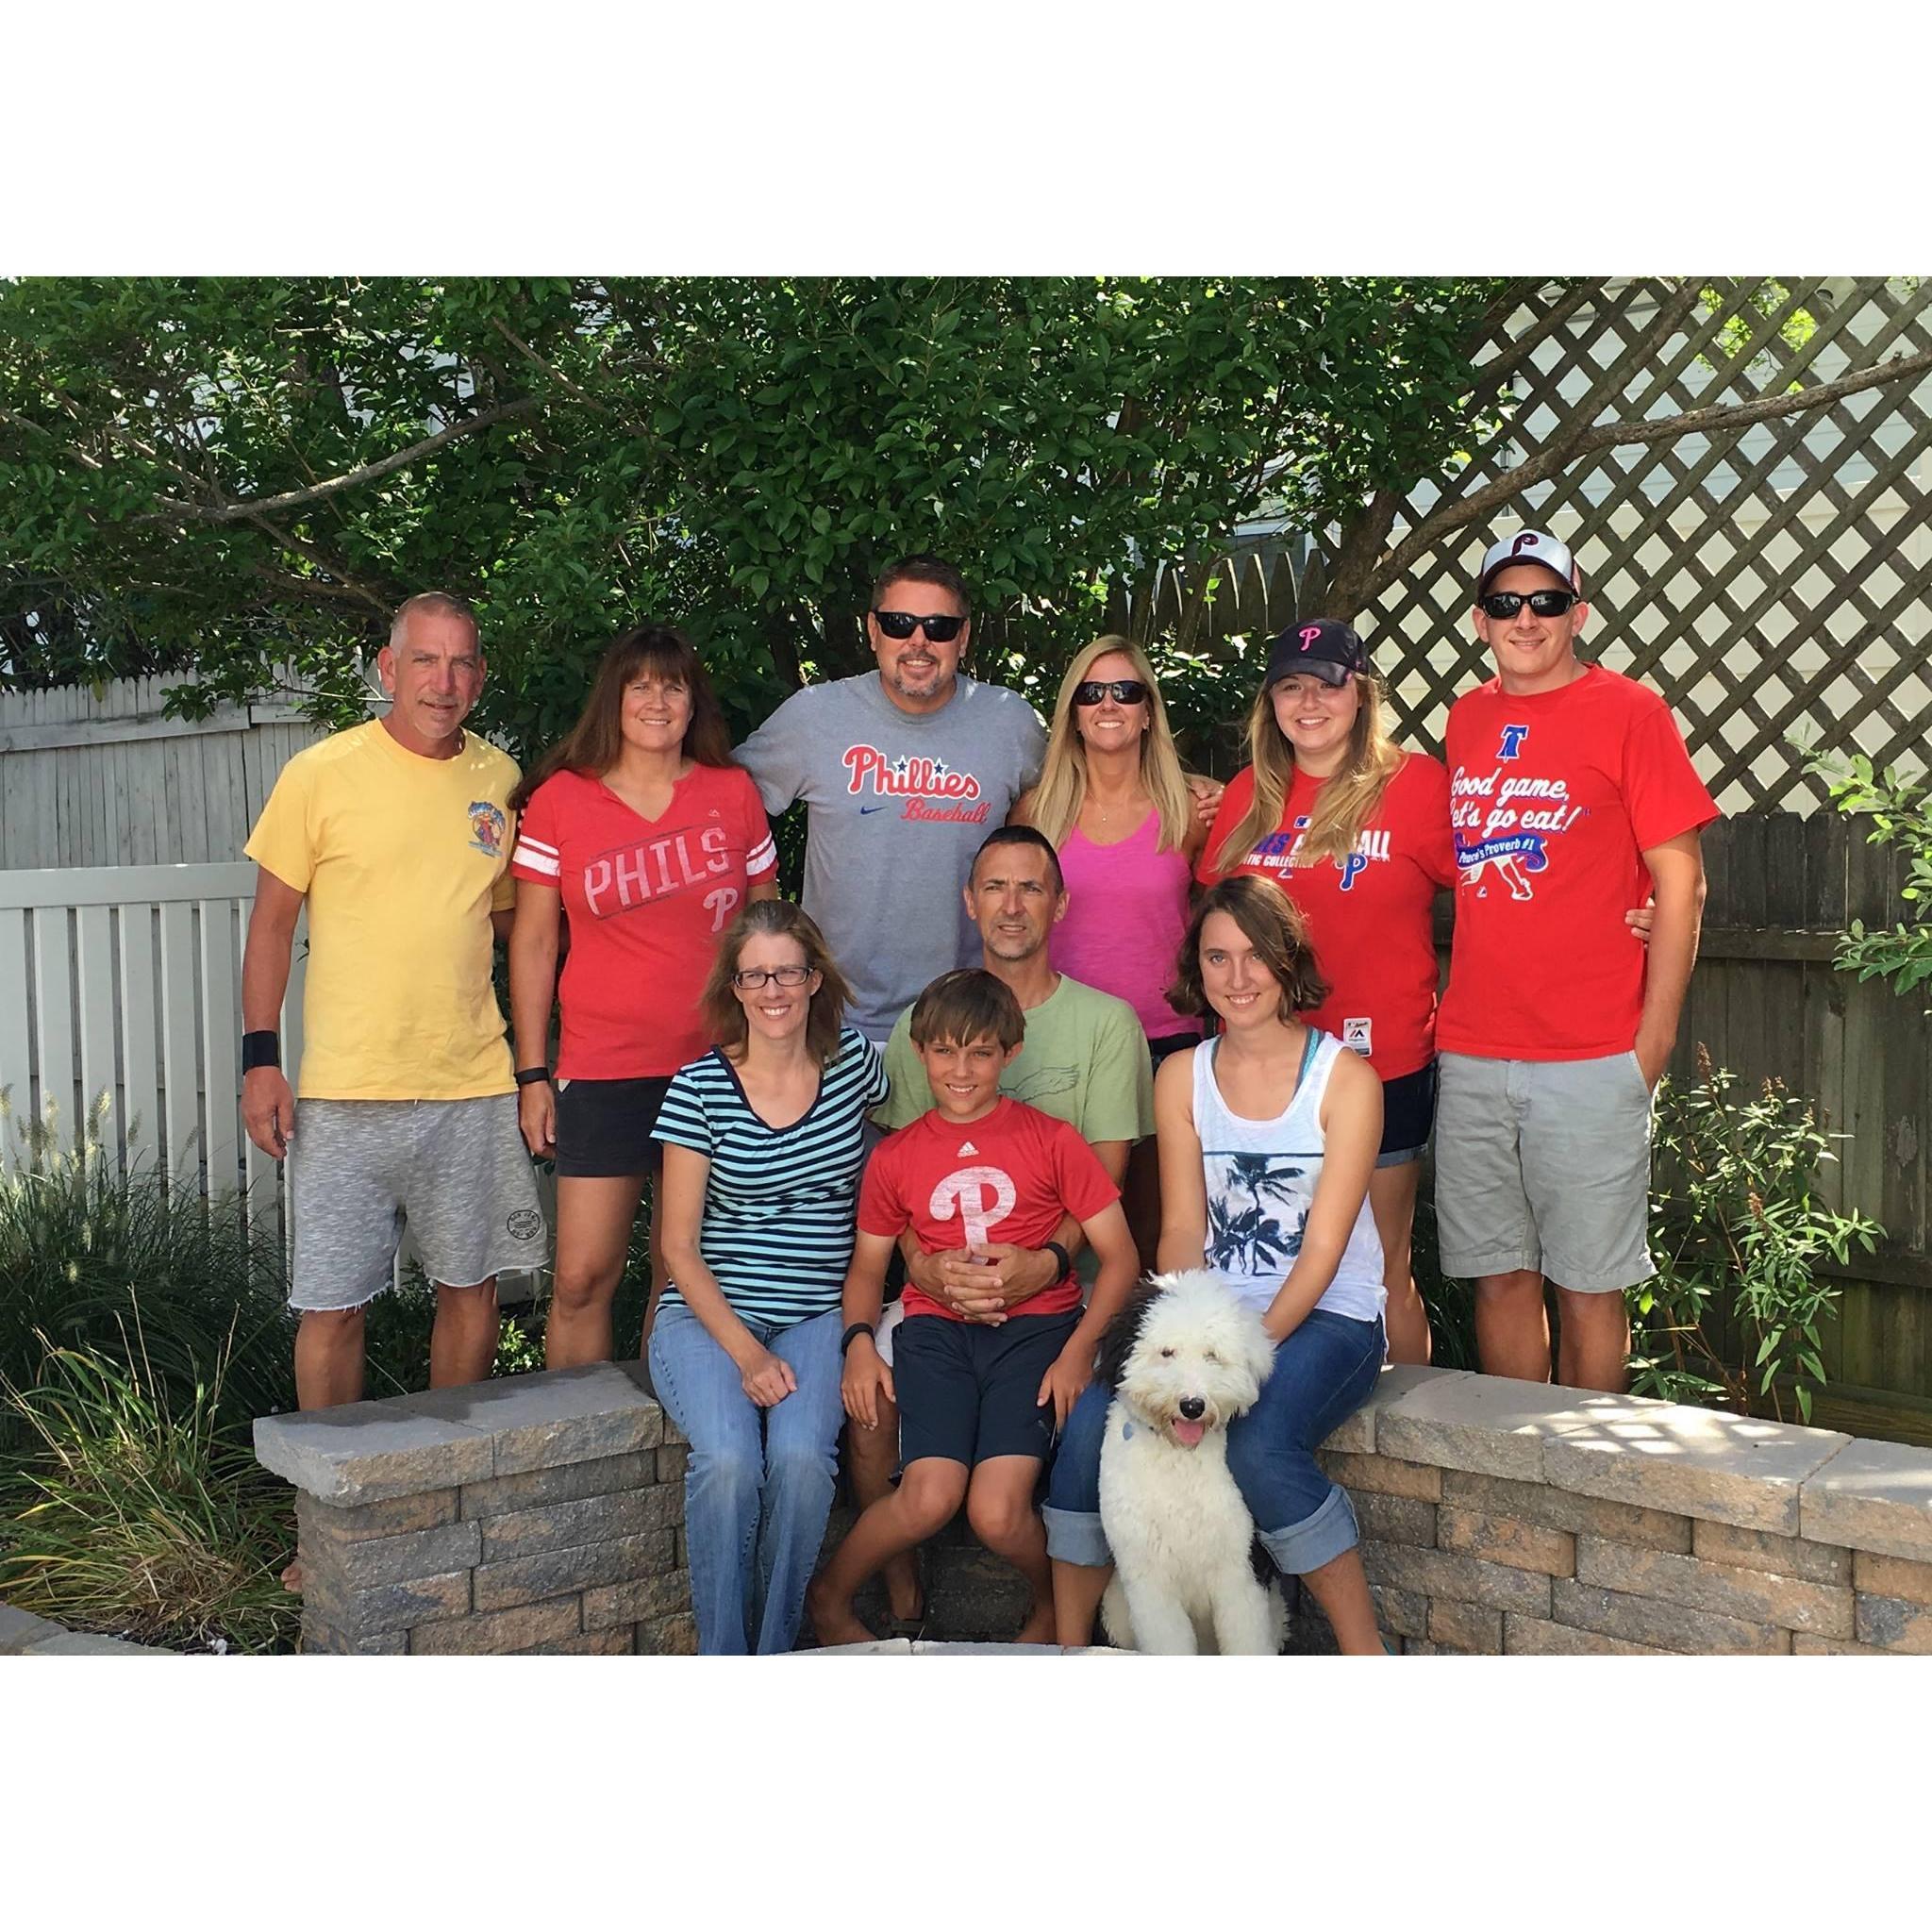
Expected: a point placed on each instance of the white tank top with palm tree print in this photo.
(1262, 1178)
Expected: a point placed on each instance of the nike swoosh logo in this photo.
(864, 808)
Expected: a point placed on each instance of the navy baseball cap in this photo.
(1529, 546)
(1321, 647)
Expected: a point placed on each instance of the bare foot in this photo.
(1039, 1627)
(832, 1621)
(291, 1577)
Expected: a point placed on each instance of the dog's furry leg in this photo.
(1161, 1626)
(1247, 1620)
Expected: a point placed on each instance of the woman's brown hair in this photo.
(722, 1009)
(595, 742)
(1277, 931)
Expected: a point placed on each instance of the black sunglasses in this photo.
(1124, 691)
(1502, 604)
(902, 623)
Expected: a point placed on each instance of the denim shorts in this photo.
(1545, 1164)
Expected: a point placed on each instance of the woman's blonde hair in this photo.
(1063, 777)
(1345, 803)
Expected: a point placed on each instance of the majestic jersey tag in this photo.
(1358, 1036)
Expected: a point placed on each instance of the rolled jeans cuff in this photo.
(1074, 1536)
(1315, 1540)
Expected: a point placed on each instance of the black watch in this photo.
(852, 1335)
(1060, 1255)
(529, 1076)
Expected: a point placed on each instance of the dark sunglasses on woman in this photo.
(1503, 604)
(1124, 691)
(902, 623)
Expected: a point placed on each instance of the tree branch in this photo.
(174, 510)
(1717, 420)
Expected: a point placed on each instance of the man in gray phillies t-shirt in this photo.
(904, 771)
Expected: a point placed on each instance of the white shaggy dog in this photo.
(1184, 1358)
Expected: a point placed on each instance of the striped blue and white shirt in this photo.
(780, 1202)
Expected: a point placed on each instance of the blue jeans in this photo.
(1323, 1374)
(758, 1486)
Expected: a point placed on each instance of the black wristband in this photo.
(1060, 1255)
(529, 1076)
(852, 1335)
(262, 1049)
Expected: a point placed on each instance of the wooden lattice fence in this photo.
(1771, 583)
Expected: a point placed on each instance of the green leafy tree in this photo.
(244, 476)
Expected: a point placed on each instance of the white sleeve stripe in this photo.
(526, 840)
(535, 861)
(762, 858)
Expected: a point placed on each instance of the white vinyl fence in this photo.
(125, 980)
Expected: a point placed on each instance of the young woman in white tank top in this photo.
(1268, 1137)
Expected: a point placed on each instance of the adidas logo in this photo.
(966, 1147)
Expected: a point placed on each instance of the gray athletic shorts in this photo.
(456, 1170)
(1544, 1164)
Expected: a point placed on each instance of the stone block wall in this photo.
(541, 1515)
(1515, 1518)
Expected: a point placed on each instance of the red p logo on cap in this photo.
(1309, 633)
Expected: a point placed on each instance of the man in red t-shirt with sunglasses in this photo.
(1570, 792)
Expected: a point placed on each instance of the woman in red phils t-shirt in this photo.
(640, 833)
(1357, 831)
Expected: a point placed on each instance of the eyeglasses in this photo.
(902, 623)
(1124, 691)
(753, 978)
(1502, 604)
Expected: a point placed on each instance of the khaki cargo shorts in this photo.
(1544, 1164)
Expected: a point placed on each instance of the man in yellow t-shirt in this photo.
(397, 836)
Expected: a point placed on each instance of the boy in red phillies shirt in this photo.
(979, 1397)
(1570, 792)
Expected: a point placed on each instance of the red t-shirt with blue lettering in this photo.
(646, 900)
(1007, 1177)
(1369, 916)
(1555, 798)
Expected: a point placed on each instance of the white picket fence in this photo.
(125, 980)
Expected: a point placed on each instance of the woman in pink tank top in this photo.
(1115, 803)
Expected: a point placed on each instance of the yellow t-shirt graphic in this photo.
(402, 858)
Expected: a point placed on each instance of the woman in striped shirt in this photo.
(763, 1145)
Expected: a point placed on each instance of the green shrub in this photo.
(1901, 814)
(1732, 1316)
(135, 1514)
(79, 1241)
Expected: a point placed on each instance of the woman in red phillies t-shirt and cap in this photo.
(641, 832)
(1357, 832)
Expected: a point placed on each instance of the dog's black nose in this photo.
(1193, 1408)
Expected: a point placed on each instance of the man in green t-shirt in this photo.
(1084, 1060)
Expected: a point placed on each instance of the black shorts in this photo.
(604, 1127)
(1161, 1044)
(1409, 1116)
(967, 1392)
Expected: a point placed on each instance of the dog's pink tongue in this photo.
(1188, 1432)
